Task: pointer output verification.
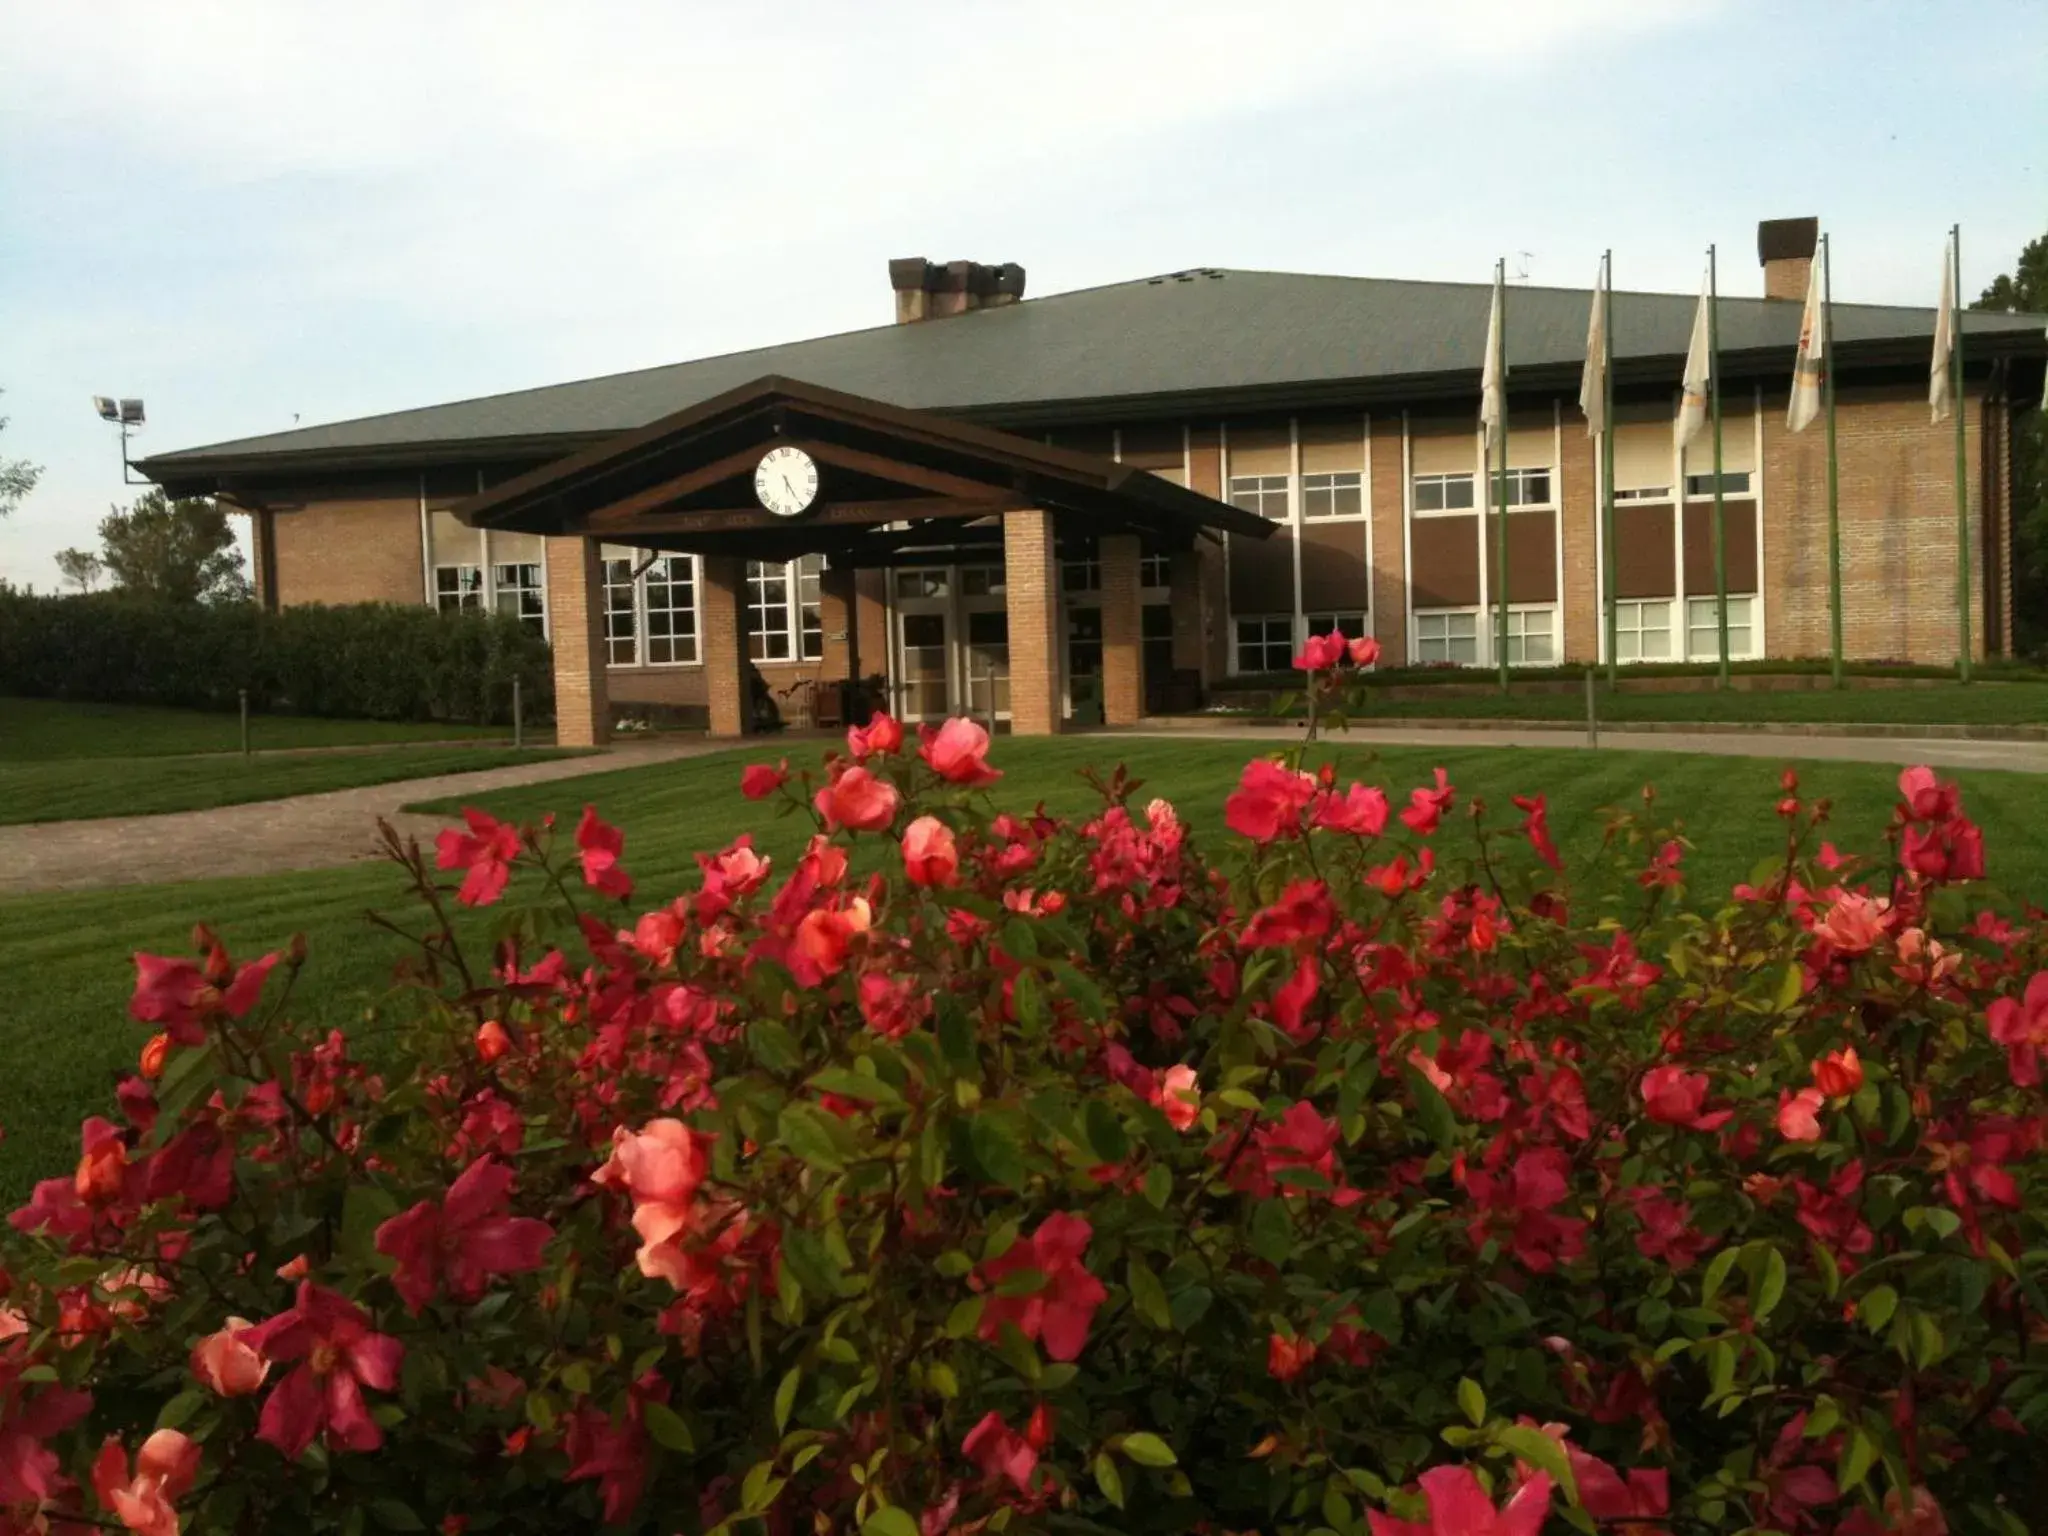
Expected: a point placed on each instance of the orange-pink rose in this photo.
(225, 1364)
(857, 800)
(930, 855)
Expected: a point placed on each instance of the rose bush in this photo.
(1352, 1172)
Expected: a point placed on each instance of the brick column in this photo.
(835, 617)
(1190, 650)
(1030, 578)
(1123, 644)
(583, 712)
(725, 672)
(1389, 558)
(1578, 513)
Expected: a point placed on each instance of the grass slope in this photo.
(61, 790)
(33, 730)
(65, 1035)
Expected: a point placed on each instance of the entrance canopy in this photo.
(890, 480)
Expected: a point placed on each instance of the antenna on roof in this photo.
(1522, 261)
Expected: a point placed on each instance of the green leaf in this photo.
(1791, 984)
(1158, 1186)
(1148, 1296)
(1944, 1222)
(1148, 1450)
(996, 1152)
(893, 1521)
(810, 1262)
(1107, 1138)
(1080, 991)
(863, 1086)
(667, 1428)
(185, 1081)
(1432, 1109)
(785, 1396)
(364, 1209)
(1026, 1002)
(1541, 1452)
(1108, 1479)
(1381, 1312)
(177, 1413)
(813, 1135)
(1190, 1306)
(1859, 1455)
(1876, 1307)
(1717, 1274)
(1472, 1400)
(774, 1047)
(1272, 1233)
(1770, 1289)
(394, 1515)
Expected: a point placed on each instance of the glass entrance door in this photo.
(988, 664)
(921, 666)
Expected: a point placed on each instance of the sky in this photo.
(256, 213)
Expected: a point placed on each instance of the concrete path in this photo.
(272, 836)
(1789, 746)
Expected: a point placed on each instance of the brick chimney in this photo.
(927, 290)
(1786, 247)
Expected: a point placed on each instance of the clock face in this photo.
(786, 481)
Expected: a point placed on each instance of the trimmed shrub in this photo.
(379, 661)
(989, 1172)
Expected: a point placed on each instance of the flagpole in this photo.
(1714, 404)
(1961, 405)
(1500, 534)
(1827, 384)
(1607, 455)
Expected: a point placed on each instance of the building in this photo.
(1118, 500)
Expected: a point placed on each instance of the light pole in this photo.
(127, 415)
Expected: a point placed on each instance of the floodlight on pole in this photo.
(125, 413)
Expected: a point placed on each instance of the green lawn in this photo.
(1986, 703)
(59, 790)
(65, 1032)
(34, 730)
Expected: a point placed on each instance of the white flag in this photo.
(1811, 360)
(1593, 381)
(1692, 404)
(1493, 392)
(1940, 391)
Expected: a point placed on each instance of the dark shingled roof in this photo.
(1191, 339)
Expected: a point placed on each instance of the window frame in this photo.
(638, 569)
(1355, 481)
(1278, 633)
(1443, 479)
(1421, 640)
(1622, 605)
(519, 590)
(1742, 493)
(1520, 473)
(1522, 611)
(1260, 488)
(1711, 628)
(468, 595)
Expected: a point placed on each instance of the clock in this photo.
(786, 481)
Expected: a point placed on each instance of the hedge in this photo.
(379, 661)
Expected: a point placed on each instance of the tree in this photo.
(2025, 290)
(80, 567)
(17, 478)
(174, 551)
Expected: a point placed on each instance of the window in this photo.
(1337, 495)
(669, 590)
(1350, 625)
(1532, 636)
(1703, 630)
(621, 614)
(1734, 482)
(924, 583)
(1263, 494)
(1443, 493)
(1526, 488)
(1266, 644)
(458, 586)
(1081, 576)
(809, 611)
(769, 635)
(1448, 635)
(1642, 631)
(982, 581)
(1643, 493)
(520, 595)
(1155, 571)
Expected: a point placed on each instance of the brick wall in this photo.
(680, 687)
(1389, 500)
(1898, 519)
(719, 642)
(1579, 516)
(362, 550)
(1123, 669)
(576, 627)
(1031, 579)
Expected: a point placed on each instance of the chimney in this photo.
(1786, 247)
(925, 290)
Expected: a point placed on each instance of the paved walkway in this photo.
(271, 836)
(2014, 756)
